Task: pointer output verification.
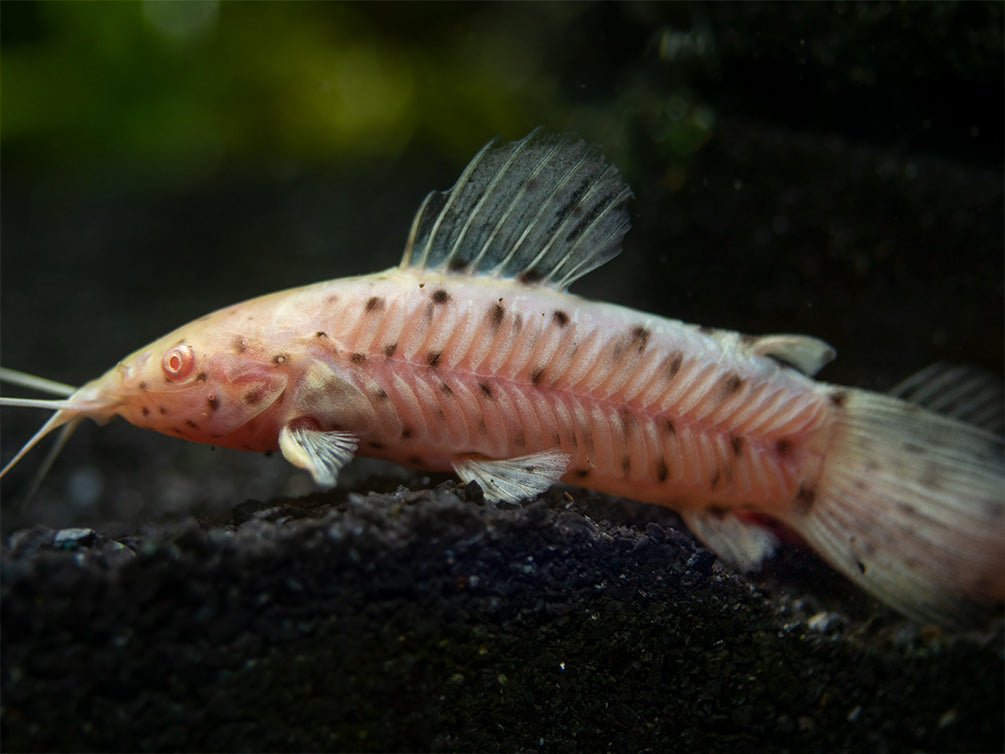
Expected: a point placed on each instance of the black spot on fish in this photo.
(804, 498)
(673, 366)
(661, 469)
(669, 428)
(213, 403)
(626, 464)
(407, 432)
(201, 377)
(162, 410)
(706, 330)
(380, 394)
(783, 448)
(861, 566)
(192, 424)
(529, 277)
(457, 265)
(617, 351)
(728, 385)
(440, 296)
(640, 336)
(389, 349)
(143, 386)
(718, 511)
(906, 508)
(377, 445)
(560, 318)
(146, 411)
(486, 390)
(281, 358)
(446, 388)
(581, 473)
(481, 426)
(714, 481)
(838, 398)
(537, 374)
(321, 335)
(252, 397)
(374, 303)
(433, 358)
(737, 444)
(495, 315)
(357, 358)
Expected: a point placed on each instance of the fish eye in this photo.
(178, 362)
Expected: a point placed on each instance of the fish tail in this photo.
(910, 505)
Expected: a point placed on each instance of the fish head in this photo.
(186, 385)
(202, 382)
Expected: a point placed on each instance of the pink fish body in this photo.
(471, 356)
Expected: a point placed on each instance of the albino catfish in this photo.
(471, 356)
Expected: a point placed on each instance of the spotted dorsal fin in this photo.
(546, 209)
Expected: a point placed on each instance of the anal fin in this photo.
(745, 545)
(513, 479)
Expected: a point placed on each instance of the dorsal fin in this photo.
(546, 209)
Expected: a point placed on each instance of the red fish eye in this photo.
(178, 362)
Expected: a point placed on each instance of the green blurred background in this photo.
(828, 168)
(185, 89)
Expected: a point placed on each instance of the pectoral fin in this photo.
(321, 453)
(513, 479)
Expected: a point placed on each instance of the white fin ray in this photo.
(321, 453)
(514, 479)
(963, 392)
(807, 354)
(742, 544)
(546, 209)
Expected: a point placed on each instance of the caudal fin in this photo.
(910, 506)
